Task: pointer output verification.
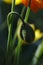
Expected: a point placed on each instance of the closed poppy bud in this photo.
(27, 33)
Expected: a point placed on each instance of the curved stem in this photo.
(18, 48)
(16, 14)
(9, 23)
(15, 35)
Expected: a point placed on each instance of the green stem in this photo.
(15, 35)
(17, 51)
(26, 18)
(27, 14)
(9, 37)
(13, 5)
(9, 42)
(18, 48)
(38, 53)
(9, 22)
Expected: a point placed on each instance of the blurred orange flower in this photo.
(35, 4)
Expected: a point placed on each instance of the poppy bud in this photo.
(27, 33)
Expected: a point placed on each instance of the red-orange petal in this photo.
(25, 2)
(34, 7)
(40, 3)
(35, 4)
